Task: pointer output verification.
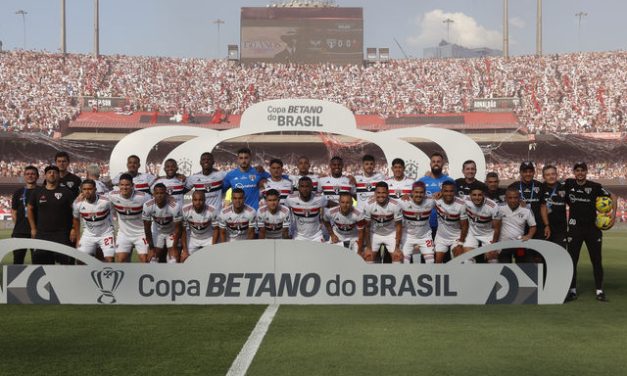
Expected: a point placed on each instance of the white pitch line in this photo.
(247, 353)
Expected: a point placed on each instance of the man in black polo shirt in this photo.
(19, 207)
(494, 192)
(531, 194)
(581, 196)
(66, 178)
(554, 193)
(50, 217)
(469, 169)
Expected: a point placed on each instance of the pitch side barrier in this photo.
(286, 272)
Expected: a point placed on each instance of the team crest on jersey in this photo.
(562, 194)
(588, 190)
(70, 184)
(369, 187)
(336, 190)
(208, 187)
(58, 195)
(252, 177)
(169, 191)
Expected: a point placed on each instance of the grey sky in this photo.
(183, 28)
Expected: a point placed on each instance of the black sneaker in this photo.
(571, 296)
(602, 298)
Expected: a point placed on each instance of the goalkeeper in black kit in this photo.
(581, 196)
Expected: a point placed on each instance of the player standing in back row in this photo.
(365, 184)
(208, 180)
(581, 196)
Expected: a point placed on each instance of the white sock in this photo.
(493, 261)
(171, 260)
(407, 259)
(154, 260)
(470, 261)
(574, 291)
(369, 262)
(396, 262)
(429, 258)
(599, 292)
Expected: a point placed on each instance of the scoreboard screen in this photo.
(302, 35)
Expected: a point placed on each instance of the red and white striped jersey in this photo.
(200, 224)
(306, 215)
(96, 216)
(449, 217)
(141, 182)
(129, 212)
(163, 218)
(274, 223)
(480, 217)
(331, 187)
(383, 219)
(237, 224)
(174, 187)
(399, 188)
(416, 217)
(210, 184)
(345, 227)
(365, 186)
(284, 187)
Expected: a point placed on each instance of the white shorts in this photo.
(389, 241)
(444, 245)
(473, 241)
(423, 245)
(316, 238)
(89, 244)
(350, 244)
(126, 244)
(194, 244)
(161, 240)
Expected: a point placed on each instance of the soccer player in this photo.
(399, 185)
(165, 212)
(384, 225)
(19, 210)
(517, 223)
(209, 181)
(484, 221)
(93, 173)
(50, 217)
(494, 192)
(452, 223)
(364, 184)
(273, 219)
(555, 206)
(277, 181)
(433, 183)
(66, 178)
(345, 224)
(307, 209)
(95, 212)
(141, 181)
(237, 221)
(303, 170)
(331, 186)
(416, 229)
(581, 198)
(128, 204)
(531, 194)
(172, 182)
(469, 169)
(201, 220)
(245, 177)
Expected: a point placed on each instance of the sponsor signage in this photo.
(495, 104)
(103, 103)
(286, 272)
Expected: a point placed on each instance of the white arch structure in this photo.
(302, 115)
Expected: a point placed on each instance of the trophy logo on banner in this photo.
(107, 280)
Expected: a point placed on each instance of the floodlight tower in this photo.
(539, 29)
(505, 29)
(448, 23)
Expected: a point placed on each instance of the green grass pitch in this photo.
(580, 338)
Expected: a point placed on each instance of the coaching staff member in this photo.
(19, 208)
(581, 197)
(50, 217)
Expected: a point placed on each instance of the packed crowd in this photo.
(615, 169)
(10, 167)
(570, 93)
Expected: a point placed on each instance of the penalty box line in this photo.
(249, 350)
